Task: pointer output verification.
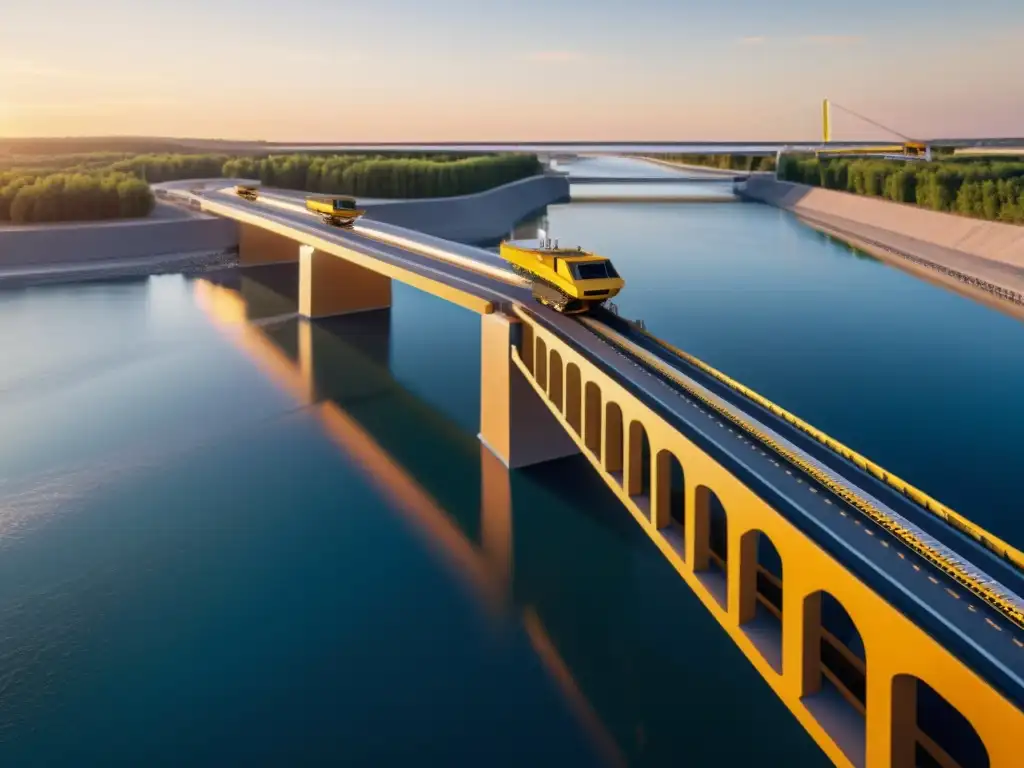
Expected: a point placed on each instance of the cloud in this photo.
(755, 40)
(555, 56)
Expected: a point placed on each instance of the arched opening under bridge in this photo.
(835, 673)
(760, 595)
(555, 376)
(668, 508)
(929, 732)
(711, 544)
(592, 417)
(638, 466)
(540, 367)
(574, 398)
(613, 441)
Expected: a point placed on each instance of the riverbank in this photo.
(172, 239)
(981, 259)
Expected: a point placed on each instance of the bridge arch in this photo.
(613, 439)
(540, 365)
(668, 504)
(555, 376)
(574, 397)
(592, 417)
(711, 544)
(668, 500)
(841, 724)
(638, 465)
(760, 601)
(834, 685)
(929, 730)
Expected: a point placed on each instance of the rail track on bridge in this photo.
(938, 555)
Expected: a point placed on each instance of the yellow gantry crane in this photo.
(908, 150)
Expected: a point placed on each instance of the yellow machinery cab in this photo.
(247, 191)
(339, 211)
(570, 280)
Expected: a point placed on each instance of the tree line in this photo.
(725, 162)
(26, 198)
(384, 177)
(980, 188)
(108, 185)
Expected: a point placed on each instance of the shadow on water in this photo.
(647, 672)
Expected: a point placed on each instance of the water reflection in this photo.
(646, 671)
(228, 590)
(341, 370)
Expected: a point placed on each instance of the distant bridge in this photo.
(563, 150)
(656, 179)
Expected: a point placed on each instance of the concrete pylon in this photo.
(330, 285)
(258, 246)
(514, 423)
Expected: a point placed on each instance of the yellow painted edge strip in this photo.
(457, 296)
(746, 646)
(958, 521)
(966, 580)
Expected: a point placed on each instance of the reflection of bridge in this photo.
(814, 560)
(343, 374)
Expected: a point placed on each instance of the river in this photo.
(199, 567)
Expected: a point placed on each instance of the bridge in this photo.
(890, 626)
(728, 180)
(560, 150)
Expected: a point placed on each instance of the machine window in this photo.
(344, 205)
(595, 270)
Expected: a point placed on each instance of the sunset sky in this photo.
(449, 70)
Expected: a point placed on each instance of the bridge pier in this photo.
(496, 518)
(514, 423)
(258, 246)
(329, 285)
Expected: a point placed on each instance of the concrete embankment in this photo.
(171, 240)
(479, 218)
(983, 259)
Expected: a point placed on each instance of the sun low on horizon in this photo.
(455, 70)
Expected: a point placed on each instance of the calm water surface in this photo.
(228, 542)
(199, 565)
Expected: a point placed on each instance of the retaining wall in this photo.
(1003, 243)
(45, 246)
(479, 218)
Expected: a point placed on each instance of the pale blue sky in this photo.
(394, 70)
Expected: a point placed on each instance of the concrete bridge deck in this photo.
(981, 636)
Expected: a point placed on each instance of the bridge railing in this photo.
(992, 543)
